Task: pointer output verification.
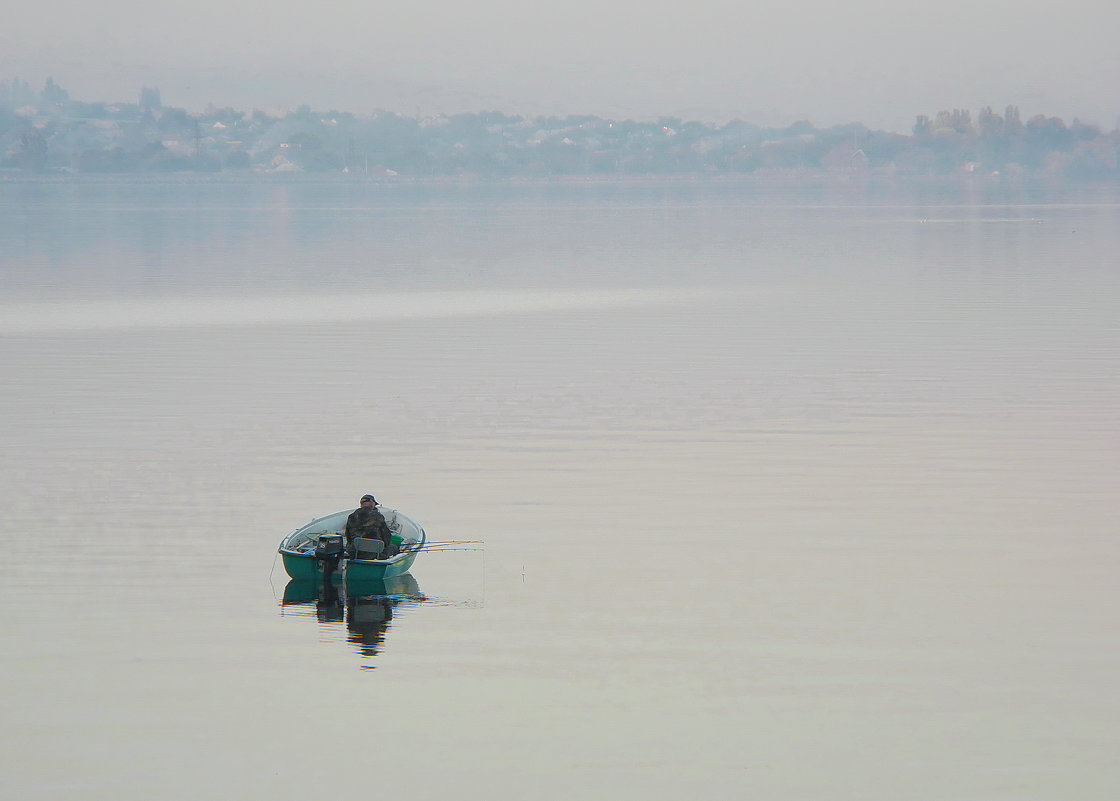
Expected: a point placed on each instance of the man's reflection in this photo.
(367, 619)
(366, 607)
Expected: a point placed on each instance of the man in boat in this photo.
(367, 522)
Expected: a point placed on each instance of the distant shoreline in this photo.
(47, 133)
(777, 179)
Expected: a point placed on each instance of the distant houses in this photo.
(47, 131)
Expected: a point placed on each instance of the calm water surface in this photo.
(788, 496)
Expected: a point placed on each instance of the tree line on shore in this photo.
(47, 131)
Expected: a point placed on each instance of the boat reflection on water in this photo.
(366, 607)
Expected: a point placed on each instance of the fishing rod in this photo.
(450, 547)
(446, 548)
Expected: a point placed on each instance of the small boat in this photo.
(313, 551)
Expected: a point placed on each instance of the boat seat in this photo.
(367, 549)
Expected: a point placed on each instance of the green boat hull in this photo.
(303, 568)
(306, 568)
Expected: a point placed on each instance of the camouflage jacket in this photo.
(367, 523)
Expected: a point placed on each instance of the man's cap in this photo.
(368, 497)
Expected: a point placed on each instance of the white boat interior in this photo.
(304, 538)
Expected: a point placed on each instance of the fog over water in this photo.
(208, 312)
(790, 495)
(769, 62)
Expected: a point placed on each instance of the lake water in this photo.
(794, 495)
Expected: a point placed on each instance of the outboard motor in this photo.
(328, 553)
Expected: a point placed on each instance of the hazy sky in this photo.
(770, 61)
